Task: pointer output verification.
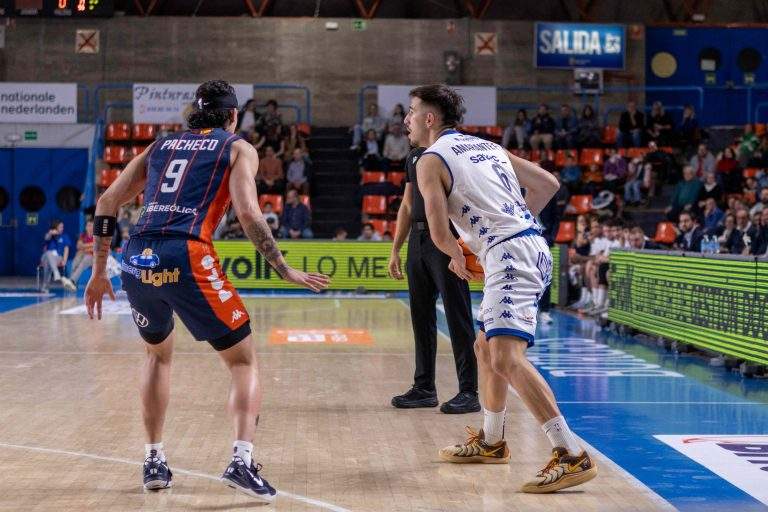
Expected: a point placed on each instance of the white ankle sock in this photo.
(493, 425)
(599, 296)
(244, 450)
(158, 447)
(560, 435)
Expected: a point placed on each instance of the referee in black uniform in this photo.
(428, 275)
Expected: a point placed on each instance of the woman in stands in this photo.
(589, 129)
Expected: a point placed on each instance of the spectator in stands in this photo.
(272, 127)
(571, 174)
(730, 238)
(397, 116)
(688, 134)
(662, 168)
(615, 169)
(728, 170)
(592, 179)
(55, 255)
(703, 162)
(750, 190)
(597, 245)
(747, 145)
(760, 244)
(713, 217)
(638, 240)
(298, 172)
(589, 129)
(293, 141)
(542, 129)
(396, 146)
(386, 236)
(369, 234)
(372, 159)
(340, 234)
(752, 235)
(373, 121)
(685, 195)
(248, 119)
(234, 231)
(710, 190)
(270, 178)
(126, 218)
(296, 218)
(598, 272)
(257, 140)
(268, 212)
(690, 235)
(566, 128)
(659, 125)
(635, 171)
(120, 240)
(83, 259)
(760, 156)
(631, 127)
(761, 204)
(520, 129)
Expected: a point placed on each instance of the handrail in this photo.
(107, 87)
(361, 101)
(307, 97)
(89, 190)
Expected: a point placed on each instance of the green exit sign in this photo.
(359, 25)
(30, 135)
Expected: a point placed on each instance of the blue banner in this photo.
(579, 45)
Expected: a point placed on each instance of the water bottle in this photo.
(704, 245)
(715, 245)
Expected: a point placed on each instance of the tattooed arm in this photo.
(244, 161)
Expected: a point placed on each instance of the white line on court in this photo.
(289, 495)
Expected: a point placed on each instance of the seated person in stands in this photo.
(589, 244)
(713, 217)
(270, 179)
(730, 238)
(373, 121)
(292, 141)
(369, 234)
(703, 162)
(663, 168)
(340, 234)
(542, 129)
(234, 230)
(298, 172)
(566, 128)
(571, 174)
(748, 144)
(387, 236)
(119, 241)
(760, 243)
(750, 190)
(268, 211)
(762, 202)
(272, 126)
(631, 127)
(589, 129)
(83, 259)
(685, 195)
(592, 179)
(396, 146)
(372, 159)
(711, 189)
(614, 169)
(659, 125)
(728, 171)
(634, 180)
(520, 129)
(55, 255)
(690, 236)
(296, 218)
(247, 119)
(638, 240)
(688, 134)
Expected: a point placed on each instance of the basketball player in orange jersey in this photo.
(492, 198)
(169, 265)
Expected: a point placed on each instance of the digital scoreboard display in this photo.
(59, 8)
(719, 304)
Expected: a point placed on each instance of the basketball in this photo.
(472, 264)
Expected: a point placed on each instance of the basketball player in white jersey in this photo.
(479, 186)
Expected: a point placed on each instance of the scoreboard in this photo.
(58, 8)
(715, 303)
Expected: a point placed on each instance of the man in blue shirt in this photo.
(55, 255)
(296, 219)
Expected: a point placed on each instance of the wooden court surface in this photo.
(71, 437)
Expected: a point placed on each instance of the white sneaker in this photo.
(68, 284)
(545, 317)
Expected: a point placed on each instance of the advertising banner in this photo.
(479, 101)
(579, 45)
(30, 102)
(158, 103)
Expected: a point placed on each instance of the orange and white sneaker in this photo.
(476, 450)
(562, 471)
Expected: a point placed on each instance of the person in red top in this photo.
(727, 169)
(84, 257)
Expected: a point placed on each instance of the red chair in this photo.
(760, 129)
(275, 199)
(591, 156)
(380, 226)
(396, 178)
(566, 233)
(305, 201)
(118, 131)
(137, 149)
(304, 129)
(115, 154)
(170, 127)
(750, 172)
(609, 134)
(665, 233)
(582, 204)
(622, 152)
(637, 152)
(562, 154)
(375, 205)
(374, 177)
(143, 131)
(667, 149)
(495, 132)
(108, 177)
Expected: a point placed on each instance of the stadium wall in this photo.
(333, 64)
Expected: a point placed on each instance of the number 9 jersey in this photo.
(485, 202)
(187, 189)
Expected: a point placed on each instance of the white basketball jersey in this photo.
(485, 202)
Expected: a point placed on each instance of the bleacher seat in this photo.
(304, 129)
(115, 154)
(144, 131)
(582, 204)
(396, 178)
(760, 129)
(108, 177)
(375, 205)
(170, 127)
(118, 131)
(750, 172)
(562, 154)
(637, 152)
(566, 233)
(609, 134)
(137, 149)
(495, 132)
(275, 199)
(374, 177)
(305, 201)
(543, 154)
(665, 233)
(589, 156)
(380, 226)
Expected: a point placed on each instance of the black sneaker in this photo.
(157, 474)
(462, 403)
(247, 480)
(414, 398)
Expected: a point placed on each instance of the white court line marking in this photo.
(296, 497)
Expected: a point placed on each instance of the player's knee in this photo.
(158, 355)
(482, 353)
(503, 363)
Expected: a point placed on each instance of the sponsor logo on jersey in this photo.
(544, 264)
(217, 284)
(145, 260)
(158, 279)
(140, 319)
(237, 315)
(171, 208)
(128, 269)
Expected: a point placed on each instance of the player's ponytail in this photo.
(213, 102)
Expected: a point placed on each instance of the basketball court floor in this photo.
(668, 431)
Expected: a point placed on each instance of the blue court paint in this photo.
(15, 299)
(617, 393)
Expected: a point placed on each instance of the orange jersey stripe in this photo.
(216, 209)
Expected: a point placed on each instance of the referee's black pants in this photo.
(428, 275)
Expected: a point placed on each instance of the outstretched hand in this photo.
(94, 294)
(312, 280)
